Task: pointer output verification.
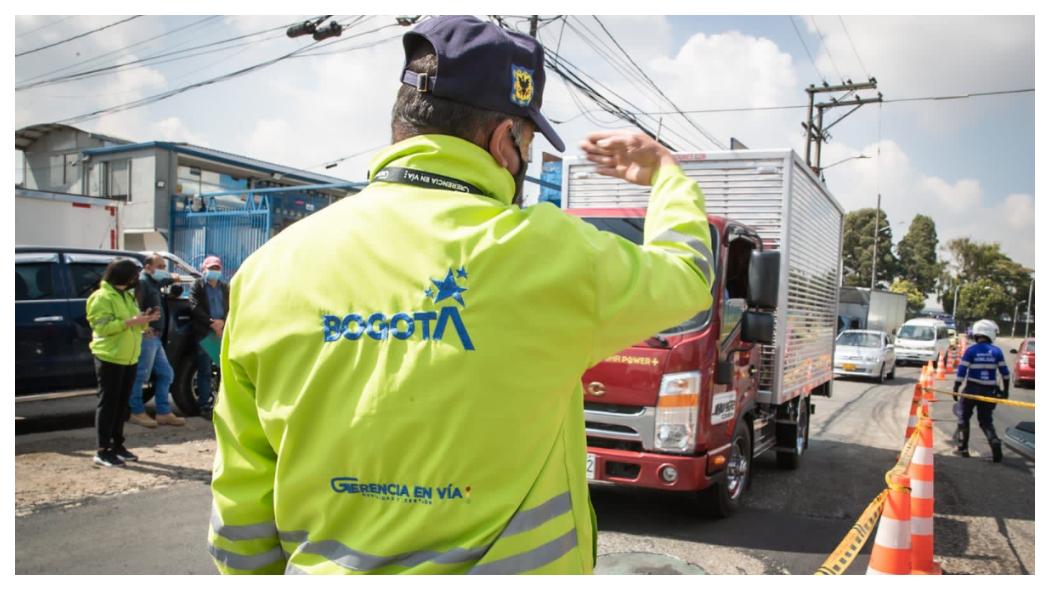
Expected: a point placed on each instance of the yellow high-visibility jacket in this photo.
(401, 372)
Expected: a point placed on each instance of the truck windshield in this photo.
(916, 333)
(860, 339)
(631, 229)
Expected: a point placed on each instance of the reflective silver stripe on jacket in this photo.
(238, 561)
(983, 381)
(531, 559)
(701, 258)
(964, 363)
(247, 532)
(356, 560)
(989, 366)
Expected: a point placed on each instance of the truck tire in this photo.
(795, 437)
(722, 498)
(184, 390)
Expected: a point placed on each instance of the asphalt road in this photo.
(789, 522)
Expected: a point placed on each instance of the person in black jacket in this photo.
(209, 304)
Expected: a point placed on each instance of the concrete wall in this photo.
(46, 157)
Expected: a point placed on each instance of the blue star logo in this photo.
(462, 272)
(448, 288)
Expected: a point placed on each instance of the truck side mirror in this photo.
(757, 327)
(724, 371)
(763, 280)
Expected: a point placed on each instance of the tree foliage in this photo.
(917, 254)
(916, 299)
(857, 241)
(990, 283)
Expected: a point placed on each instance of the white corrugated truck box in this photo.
(778, 196)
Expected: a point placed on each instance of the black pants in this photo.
(114, 393)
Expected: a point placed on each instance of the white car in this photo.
(865, 353)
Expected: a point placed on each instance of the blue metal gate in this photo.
(230, 234)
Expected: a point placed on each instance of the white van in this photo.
(920, 340)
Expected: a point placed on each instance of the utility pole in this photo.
(875, 244)
(534, 21)
(1028, 313)
(816, 132)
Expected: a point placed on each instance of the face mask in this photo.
(160, 274)
(213, 275)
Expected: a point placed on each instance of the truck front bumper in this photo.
(645, 469)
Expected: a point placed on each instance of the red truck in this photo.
(689, 409)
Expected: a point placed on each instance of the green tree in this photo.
(857, 240)
(983, 270)
(985, 298)
(917, 253)
(916, 299)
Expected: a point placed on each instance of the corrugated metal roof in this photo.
(25, 136)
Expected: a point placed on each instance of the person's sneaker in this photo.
(143, 419)
(997, 452)
(124, 454)
(107, 459)
(170, 419)
(961, 452)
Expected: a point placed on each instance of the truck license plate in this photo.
(849, 366)
(591, 462)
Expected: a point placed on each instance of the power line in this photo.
(52, 23)
(75, 37)
(855, 52)
(702, 131)
(806, 47)
(333, 163)
(827, 49)
(120, 50)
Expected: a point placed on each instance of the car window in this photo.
(916, 333)
(1030, 347)
(861, 339)
(86, 277)
(732, 311)
(33, 281)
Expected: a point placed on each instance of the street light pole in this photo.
(1013, 328)
(955, 302)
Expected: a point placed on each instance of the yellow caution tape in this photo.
(991, 400)
(904, 460)
(843, 555)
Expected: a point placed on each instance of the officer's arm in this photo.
(1004, 370)
(242, 538)
(102, 317)
(642, 290)
(964, 367)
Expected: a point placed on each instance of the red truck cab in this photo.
(678, 411)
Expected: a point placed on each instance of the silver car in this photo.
(865, 353)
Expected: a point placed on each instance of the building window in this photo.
(119, 179)
(97, 180)
(70, 169)
(56, 167)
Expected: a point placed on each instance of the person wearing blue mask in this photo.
(209, 303)
(154, 360)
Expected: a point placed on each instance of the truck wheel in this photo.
(722, 498)
(184, 390)
(795, 437)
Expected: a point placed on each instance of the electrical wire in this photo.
(329, 163)
(75, 37)
(806, 47)
(855, 52)
(827, 49)
(63, 19)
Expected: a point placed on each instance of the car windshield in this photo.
(631, 228)
(916, 333)
(861, 339)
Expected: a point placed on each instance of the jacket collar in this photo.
(449, 156)
(111, 289)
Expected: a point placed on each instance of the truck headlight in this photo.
(677, 412)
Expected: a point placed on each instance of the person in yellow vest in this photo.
(407, 398)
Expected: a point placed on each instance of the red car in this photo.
(1024, 368)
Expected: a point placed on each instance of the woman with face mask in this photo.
(209, 303)
(116, 341)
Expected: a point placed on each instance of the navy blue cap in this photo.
(484, 66)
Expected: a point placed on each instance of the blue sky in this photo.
(969, 163)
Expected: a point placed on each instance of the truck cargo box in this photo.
(777, 195)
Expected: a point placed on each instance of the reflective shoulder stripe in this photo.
(527, 520)
(247, 532)
(964, 363)
(703, 257)
(532, 559)
(238, 561)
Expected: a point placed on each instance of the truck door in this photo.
(83, 274)
(43, 331)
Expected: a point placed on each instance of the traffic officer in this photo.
(978, 369)
(401, 385)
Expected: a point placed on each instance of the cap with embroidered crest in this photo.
(484, 66)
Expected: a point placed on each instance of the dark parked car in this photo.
(52, 335)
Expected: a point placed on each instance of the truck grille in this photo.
(615, 426)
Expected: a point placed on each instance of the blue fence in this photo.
(230, 234)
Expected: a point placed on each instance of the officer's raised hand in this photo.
(627, 154)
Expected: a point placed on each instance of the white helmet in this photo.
(986, 328)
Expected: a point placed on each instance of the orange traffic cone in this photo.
(891, 553)
(916, 401)
(940, 366)
(920, 472)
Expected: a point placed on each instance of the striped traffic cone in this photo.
(920, 472)
(916, 401)
(940, 366)
(891, 553)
